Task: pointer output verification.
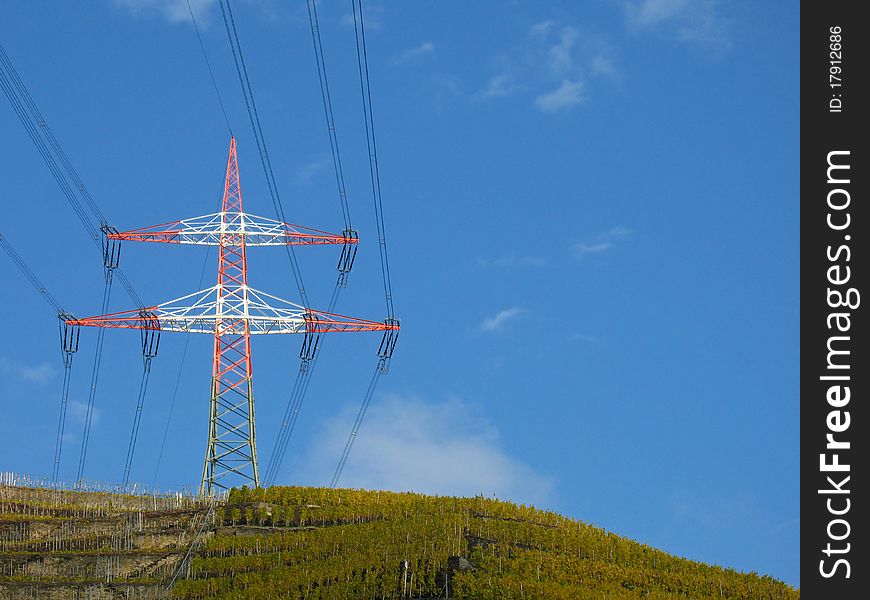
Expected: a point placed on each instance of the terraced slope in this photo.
(66, 544)
(349, 544)
(318, 543)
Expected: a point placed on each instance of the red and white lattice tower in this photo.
(232, 312)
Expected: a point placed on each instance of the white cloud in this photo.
(308, 171)
(648, 13)
(554, 56)
(510, 261)
(581, 248)
(542, 29)
(601, 242)
(603, 65)
(561, 53)
(423, 49)
(78, 412)
(497, 322)
(696, 21)
(566, 95)
(372, 17)
(39, 373)
(174, 11)
(407, 444)
(498, 86)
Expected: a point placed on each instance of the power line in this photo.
(69, 345)
(327, 109)
(254, 117)
(345, 263)
(34, 123)
(374, 171)
(31, 277)
(364, 406)
(388, 342)
(208, 65)
(150, 345)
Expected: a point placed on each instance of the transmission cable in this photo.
(69, 343)
(22, 103)
(374, 171)
(388, 343)
(150, 345)
(327, 109)
(208, 65)
(367, 398)
(307, 366)
(95, 376)
(254, 117)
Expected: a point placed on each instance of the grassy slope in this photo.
(336, 544)
(57, 544)
(322, 543)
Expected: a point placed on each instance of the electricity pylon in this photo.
(233, 312)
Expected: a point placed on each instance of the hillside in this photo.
(290, 542)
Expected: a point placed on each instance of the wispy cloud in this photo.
(542, 29)
(78, 412)
(446, 448)
(498, 322)
(556, 61)
(39, 373)
(566, 95)
(510, 262)
(174, 11)
(424, 49)
(498, 86)
(305, 173)
(601, 242)
(697, 21)
(603, 65)
(372, 17)
(561, 53)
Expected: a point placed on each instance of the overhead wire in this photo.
(95, 376)
(22, 103)
(69, 340)
(150, 344)
(326, 99)
(183, 359)
(374, 170)
(348, 446)
(37, 128)
(31, 276)
(307, 365)
(385, 350)
(210, 71)
(254, 117)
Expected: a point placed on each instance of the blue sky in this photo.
(592, 213)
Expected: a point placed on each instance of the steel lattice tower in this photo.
(232, 446)
(232, 311)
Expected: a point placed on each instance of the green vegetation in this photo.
(317, 543)
(57, 544)
(349, 544)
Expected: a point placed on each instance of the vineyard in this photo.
(57, 543)
(348, 544)
(319, 543)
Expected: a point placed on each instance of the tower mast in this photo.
(232, 447)
(232, 312)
